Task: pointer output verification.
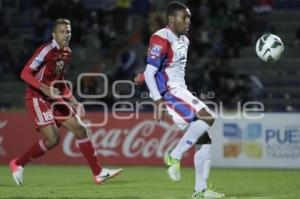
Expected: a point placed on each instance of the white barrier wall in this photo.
(272, 142)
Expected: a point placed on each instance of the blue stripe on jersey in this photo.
(161, 81)
(154, 62)
(160, 77)
(180, 107)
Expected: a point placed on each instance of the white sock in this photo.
(194, 132)
(202, 161)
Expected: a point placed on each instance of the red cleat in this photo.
(17, 172)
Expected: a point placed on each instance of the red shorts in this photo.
(46, 112)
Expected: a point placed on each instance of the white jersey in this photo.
(168, 53)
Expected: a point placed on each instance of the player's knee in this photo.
(207, 117)
(53, 141)
(80, 131)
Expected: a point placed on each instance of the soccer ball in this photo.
(269, 48)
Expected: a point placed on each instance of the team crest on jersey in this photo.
(155, 51)
(59, 67)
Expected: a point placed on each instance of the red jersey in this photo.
(45, 66)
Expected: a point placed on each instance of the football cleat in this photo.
(106, 174)
(207, 194)
(173, 167)
(17, 172)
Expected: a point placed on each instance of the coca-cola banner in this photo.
(121, 141)
(272, 140)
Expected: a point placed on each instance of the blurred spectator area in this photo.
(111, 37)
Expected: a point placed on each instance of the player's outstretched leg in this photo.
(195, 130)
(100, 174)
(51, 139)
(172, 160)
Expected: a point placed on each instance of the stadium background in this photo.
(111, 37)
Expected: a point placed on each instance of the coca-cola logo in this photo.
(146, 139)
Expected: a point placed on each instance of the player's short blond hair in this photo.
(61, 21)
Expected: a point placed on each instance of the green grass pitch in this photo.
(147, 182)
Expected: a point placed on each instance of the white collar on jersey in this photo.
(55, 44)
(176, 36)
(172, 32)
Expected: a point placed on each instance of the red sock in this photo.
(37, 150)
(90, 155)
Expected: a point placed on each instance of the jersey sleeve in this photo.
(28, 76)
(157, 51)
(38, 58)
(33, 65)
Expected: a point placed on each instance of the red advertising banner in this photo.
(132, 141)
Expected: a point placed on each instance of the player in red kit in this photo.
(51, 104)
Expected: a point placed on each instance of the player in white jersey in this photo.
(165, 78)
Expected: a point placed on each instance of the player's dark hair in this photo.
(60, 21)
(173, 7)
